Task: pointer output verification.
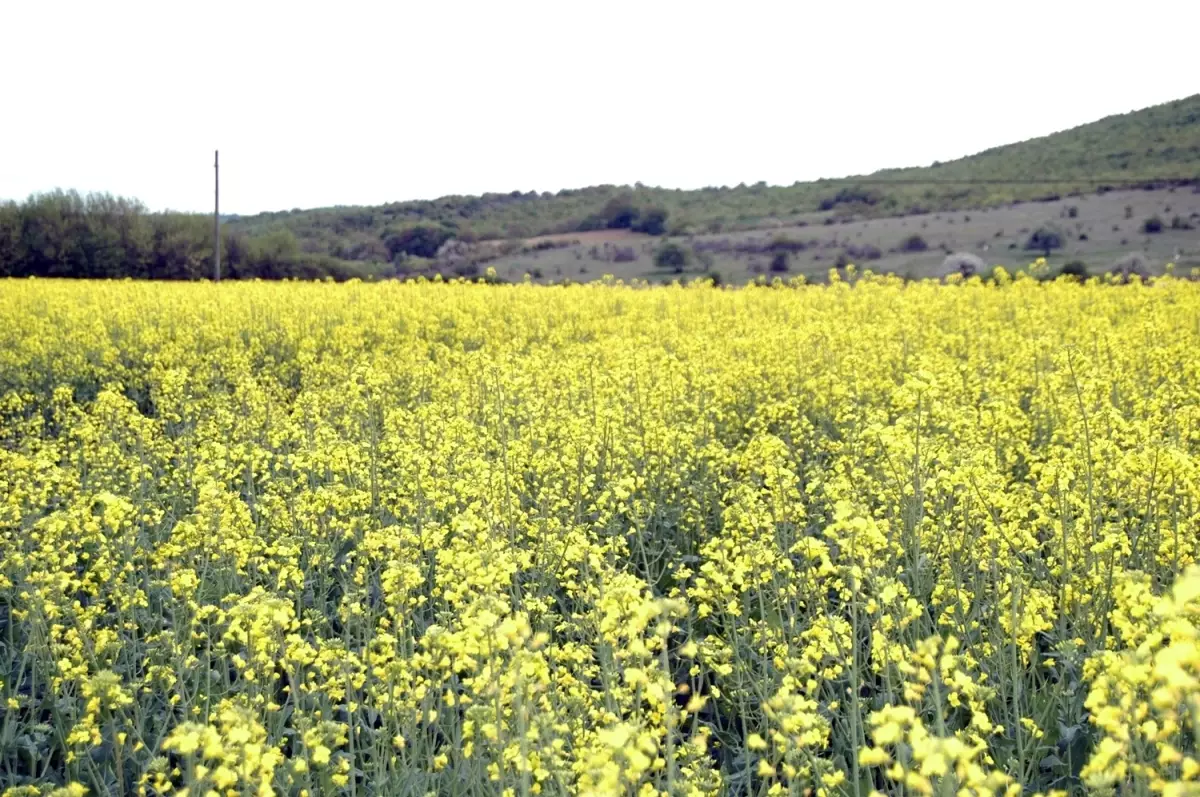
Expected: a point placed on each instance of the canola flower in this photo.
(452, 538)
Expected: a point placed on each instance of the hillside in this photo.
(1149, 146)
(616, 229)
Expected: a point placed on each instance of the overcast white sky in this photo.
(324, 103)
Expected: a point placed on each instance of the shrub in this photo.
(591, 223)
(1131, 265)
(914, 243)
(1044, 239)
(1152, 225)
(852, 195)
(1077, 269)
(782, 243)
(421, 240)
(620, 212)
(652, 221)
(780, 262)
(964, 263)
(546, 245)
(864, 252)
(673, 256)
(624, 254)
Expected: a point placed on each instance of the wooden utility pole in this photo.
(216, 215)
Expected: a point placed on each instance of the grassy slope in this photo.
(1158, 142)
(1161, 142)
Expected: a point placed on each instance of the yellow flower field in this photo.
(468, 539)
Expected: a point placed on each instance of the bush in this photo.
(964, 263)
(620, 213)
(864, 252)
(1132, 265)
(784, 244)
(1044, 239)
(652, 221)
(673, 256)
(547, 245)
(592, 223)
(624, 254)
(421, 240)
(914, 243)
(852, 195)
(1077, 269)
(1152, 225)
(780, 262)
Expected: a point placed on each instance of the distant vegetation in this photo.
(673, 256)
(63, 234)
(1045, 239)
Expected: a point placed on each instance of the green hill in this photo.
(1152, 146)
(63, 234)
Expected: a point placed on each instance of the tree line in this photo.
(99, 236)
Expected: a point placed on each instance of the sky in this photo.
(354, 103)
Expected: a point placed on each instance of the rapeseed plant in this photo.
(452, 538)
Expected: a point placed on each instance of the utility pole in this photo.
(216, 215)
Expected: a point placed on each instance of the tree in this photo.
(421, 240)
(652, 221)
(99, 236)
(620, 212)
(10, 238)
(1044, 239)
(673, 256)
